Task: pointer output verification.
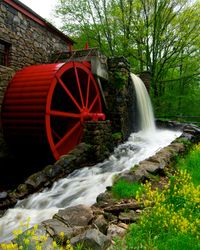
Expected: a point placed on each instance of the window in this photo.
(4, 52)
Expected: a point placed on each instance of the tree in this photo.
(159, 36)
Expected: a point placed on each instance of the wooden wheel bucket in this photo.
(48, 104)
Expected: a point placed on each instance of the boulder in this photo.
(101, 224)
(129, 217)
(37, 180)
(55, 227)
(91, 239)
(79, 215)
(115, 231)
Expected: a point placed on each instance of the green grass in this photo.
(137, 239)
(123, 189)
(192, 164)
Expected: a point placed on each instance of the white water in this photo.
(144, 105)
(83, 186)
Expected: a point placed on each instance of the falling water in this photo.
(84, 185)
(146, 116)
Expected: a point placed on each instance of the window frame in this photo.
(4, 53)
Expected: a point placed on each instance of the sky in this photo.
(44, 8)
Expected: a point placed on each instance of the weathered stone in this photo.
(37, 180)
(177, 147)
(99, 136)
(129, 217)
(123, 225)
(111, 217)
(115, 231)
(138, 176)
(55, 227)
(3, 195)
(117, 208)
(91, 239)
(152, 165)
(40, 231)
(52, 171)
(22, 190)
(79, 215)
(101, 224)
(103, 199)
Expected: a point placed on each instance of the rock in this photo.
(111, 217)
(22, 191)
(53, 171)
(3, 195)
(130, 176)
(66, 161)
(40, 231)
(101, 224)
(55, 227)
(123, 225)
(129, 217)
(115, 231)
(37, 180)
(177, 147)
(103, 199)
(91, 239)
(117, 208)
(79, 215)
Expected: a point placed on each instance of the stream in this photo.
(84, 185)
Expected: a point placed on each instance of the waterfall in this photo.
(146, 116)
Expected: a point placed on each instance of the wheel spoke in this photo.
(68, 92)
(79, 86)
(95, 99)
(88, 90)
(56, 134)
(64, 114)
(67, 135)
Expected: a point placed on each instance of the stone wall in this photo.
(120, 97)
(5, 76)
(99, 136)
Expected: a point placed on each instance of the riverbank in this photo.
(110, 217)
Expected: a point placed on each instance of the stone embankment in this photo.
(95, 227)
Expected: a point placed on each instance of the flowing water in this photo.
(84, 185)
(146, 116)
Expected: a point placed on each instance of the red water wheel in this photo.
(50, 103)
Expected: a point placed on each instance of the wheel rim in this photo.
(72, 99)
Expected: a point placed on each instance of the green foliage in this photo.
(123, 189)
(117, 136)
(192, 163)
(120, 79)
(159, 36)
(137, 239)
